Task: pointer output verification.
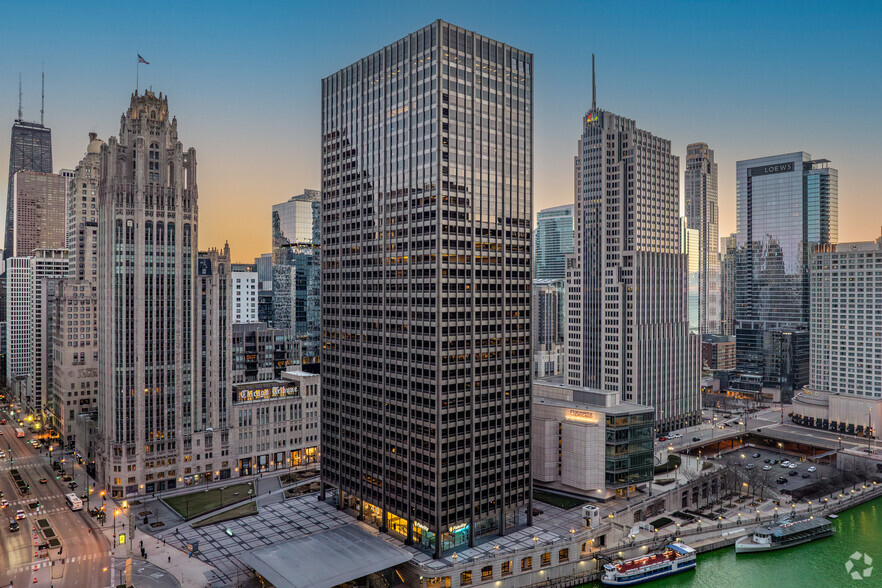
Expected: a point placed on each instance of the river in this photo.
(819, 564)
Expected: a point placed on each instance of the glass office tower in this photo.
(296, 270)
(554, 241)
(426, 235)
(786, 205)
(30, 149)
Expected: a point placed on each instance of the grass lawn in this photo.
(202, 501)
(243, 510)
(564, 502)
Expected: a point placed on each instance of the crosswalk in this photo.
(45, 563)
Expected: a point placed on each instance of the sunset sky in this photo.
(243, 78)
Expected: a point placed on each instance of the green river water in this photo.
(819, 564)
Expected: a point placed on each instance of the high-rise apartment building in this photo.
(38, 212)
(264, 267)
(690, 244)
(728, 264)
(32, 283)
(245, 297)
(262, 353)
(702, 214)
(627, 280)
(549, 327)
(786, 205)
(426, 276)
(846, 319)
(75, 331)
(297, 269)
(30, 149)
(554, 241)
(149, 423)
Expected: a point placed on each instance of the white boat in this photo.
(769, 537)
(673, 559)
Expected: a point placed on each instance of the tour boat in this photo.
(675, 558)
(769, 537)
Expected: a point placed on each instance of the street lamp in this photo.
(116, 511)
(840, 443)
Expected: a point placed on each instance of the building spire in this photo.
(42, 95)
(19, 95)
(593, 86)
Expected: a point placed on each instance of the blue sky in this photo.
(748, 78)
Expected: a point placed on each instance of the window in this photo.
(563, 555)
(546, 559)
(465, 578)
(487, 573)
(526, 564)
(506, 568)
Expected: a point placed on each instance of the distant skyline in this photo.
(750, 79)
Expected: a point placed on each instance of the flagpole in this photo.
(137, 74)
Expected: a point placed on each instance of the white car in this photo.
(793, 465)
(19, 515)
(767, 467)
(813, 469)
(4, 503)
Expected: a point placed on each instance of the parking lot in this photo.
(767, 467)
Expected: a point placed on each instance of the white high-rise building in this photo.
(628, 330)
(846, 314)
(702, 214)
(245, 290)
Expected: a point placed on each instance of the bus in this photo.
(19, 432)
(73, 501)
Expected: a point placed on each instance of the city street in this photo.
(85, 555)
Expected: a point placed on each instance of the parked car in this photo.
(794, 473)
(696, 438)
(782, 480)
(793, 465)
(813, 469)
(662, 439)
(785, 465)
(806, 475)
(749, 466)
(756, 454)
(767, 461)
(767, 467)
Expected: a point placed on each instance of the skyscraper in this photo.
(786, 205)
(728, 262)
(38, 212)
(549, 327)
(147, 301)
(30, 149)
(426, 232)
(702, 214)
(627, 280)
(297, 269)
(75, 330)
(690, 244)
(554, 241)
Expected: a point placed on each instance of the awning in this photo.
(323, 560)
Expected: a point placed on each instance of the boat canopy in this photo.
(800, 526)
(681, 549)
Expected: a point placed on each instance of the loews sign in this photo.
(265, 393)
(765, 170)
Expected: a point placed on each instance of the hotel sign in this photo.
(270, 393)
(777, 168)
(583, 416)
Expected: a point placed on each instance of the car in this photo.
(19, 514)
(43, 480)
(792, 473)
(793, 465)
(72, 485)
(759, 430)
(13, 526)
(2, 421)
(782, 480)
(94, 512)
(84, 495)
(66, 478)
(806, 475)
(4, 503)
(813, 469)
(756, 454)
(696, 438)
(676, 436)
(662, 439)
(767, 467)
(741, 423)
(767, 461)
(749, 466)
(785, 465)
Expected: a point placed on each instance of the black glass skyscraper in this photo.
(30, 149)
(787, 204)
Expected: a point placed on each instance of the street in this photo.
(84, 560)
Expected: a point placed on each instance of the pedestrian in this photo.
(169, 559)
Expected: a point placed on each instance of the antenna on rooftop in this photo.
(43, 95)
(593, 86)
(19, 96)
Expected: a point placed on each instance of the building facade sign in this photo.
(776, 168)
(268, 393)
(584, 416)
